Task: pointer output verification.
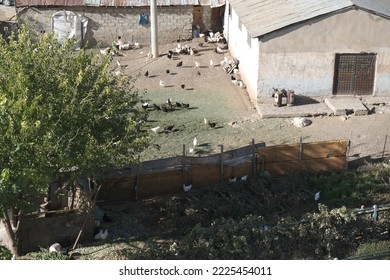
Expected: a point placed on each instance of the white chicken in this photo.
(104, 235)
(187, 188)
(105, 51)
(233, 180)
(155, 129)
(56, 247)
(195, 141)
(317, 196)
(101, 235)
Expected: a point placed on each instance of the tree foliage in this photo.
(61, 110)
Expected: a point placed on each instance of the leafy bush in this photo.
(44, 254)
(372, 250)
(5, 254)
(353, 188)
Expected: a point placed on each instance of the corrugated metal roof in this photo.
(118, 3)
(263, 16)
(378, 6)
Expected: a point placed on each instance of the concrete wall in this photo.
(245, 50)
(302, 57)
(105, 24)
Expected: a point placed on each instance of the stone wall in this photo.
(105, 24)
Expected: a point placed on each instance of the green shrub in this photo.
(44, 254)
(5, 254)
(373, 250)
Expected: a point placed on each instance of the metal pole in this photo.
(154, 28)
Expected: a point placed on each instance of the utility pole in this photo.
(154, 29)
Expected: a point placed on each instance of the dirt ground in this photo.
(211, 95)
(6, 12)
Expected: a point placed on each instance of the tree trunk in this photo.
(11, 235)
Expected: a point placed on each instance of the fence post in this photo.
(183, 164)
(137, 180)
(300, 148)
(221, 164)
(253, 158)
(263, 163)
(348, 150)
(384, 147)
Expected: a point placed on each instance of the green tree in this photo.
(61, 110)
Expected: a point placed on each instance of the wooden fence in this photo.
(313, 157)
(168, 175)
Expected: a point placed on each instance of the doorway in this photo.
(354, 74)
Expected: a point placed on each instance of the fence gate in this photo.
(354, 74)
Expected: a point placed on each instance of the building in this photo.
(105, 20)
(314, 47)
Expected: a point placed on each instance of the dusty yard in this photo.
(211, 95)
(7, 12)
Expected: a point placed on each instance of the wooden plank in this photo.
(166, 176)
(279, 153)
(204, 176)
(119, 188)
(325, 149)
(242, 170)
(322, 165)
(159, 183)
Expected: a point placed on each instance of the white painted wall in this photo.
(302, 57)
(247, 55)
(305, 73)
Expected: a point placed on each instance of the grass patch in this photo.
(353, 188)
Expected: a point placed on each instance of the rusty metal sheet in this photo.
(294, 152)
(36, 3)
(278, 153)
(118, 3)
(354, 74)
(160, 183)
(322, 165)
(325, 149)
(204, 176)
(117, 188)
